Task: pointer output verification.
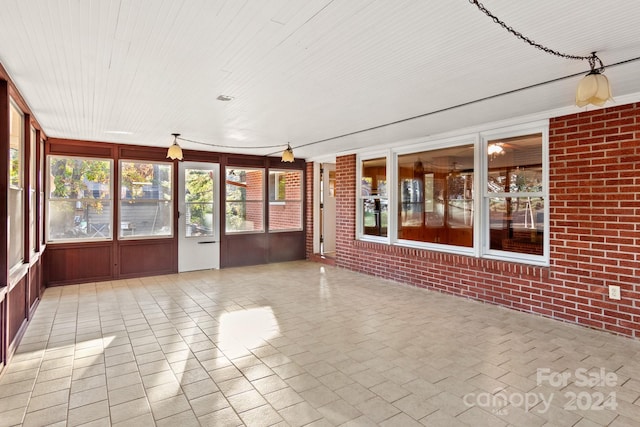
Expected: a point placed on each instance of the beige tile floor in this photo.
(307, 344)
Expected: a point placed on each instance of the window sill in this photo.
(17, 274)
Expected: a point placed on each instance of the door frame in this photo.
(216, 238)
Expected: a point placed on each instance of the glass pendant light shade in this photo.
(287, 155)
(593, 89)
(175, 152)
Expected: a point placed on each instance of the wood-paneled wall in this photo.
(22, 287)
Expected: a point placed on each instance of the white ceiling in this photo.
(301, 71)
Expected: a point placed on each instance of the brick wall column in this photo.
(345, 210)
(309, 206)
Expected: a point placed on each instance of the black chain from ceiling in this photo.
(591, 58)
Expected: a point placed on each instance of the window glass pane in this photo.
(285, 200)
(79, 199)
(15, 197)
(244, 209)
(32, 193)
(41, 183)
(375, 215)
(436, 196)
(515, 164)
(517, 224)
(79, 219)
(373, 192)
(146, 206)
(199, 202)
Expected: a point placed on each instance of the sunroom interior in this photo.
(437, 145)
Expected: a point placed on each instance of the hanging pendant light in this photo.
(175, 152)
(594, 88)
(287, 154)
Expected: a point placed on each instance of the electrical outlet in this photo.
(614, 292)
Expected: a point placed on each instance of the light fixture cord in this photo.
(255, 147)
(591, 58)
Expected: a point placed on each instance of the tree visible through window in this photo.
(244, 210)
(199, 202)
(79, 199)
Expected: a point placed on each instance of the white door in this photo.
(199, 211)
(328, 209)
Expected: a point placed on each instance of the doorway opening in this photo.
(327, 201)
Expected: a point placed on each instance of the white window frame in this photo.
(432, 146)
(48, 199)
(360, 235)
(263, 201)
(515, 131)
(118, 227)
(283, 202)
(481, 242)
(19, 190)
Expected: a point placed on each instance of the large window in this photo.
(483, 195)
(16, 182)
(436, 192)
(244, 208)
(285, 200)
(146, 205)
(79, 199)
(374, 200)
(515, 194)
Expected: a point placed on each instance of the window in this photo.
(16, 182)
(285, 200)
(146, 205)
(33, 244)
(244, 210)
(199, 203)
(484, 195)
(40, 178)
(79, 199)
(374, 201)
(435, 202)
(515, 195)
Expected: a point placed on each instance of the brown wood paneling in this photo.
(147, 257)
(78, 262)
(201, 156)
(246, 161)
(135, 152)
(34, 283)
(69, 147)
(17, 309)
(244, 249)
(286, 246)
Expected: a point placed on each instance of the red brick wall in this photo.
(288, 216)
(255, 191)
(308, 190)
(594, 233)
